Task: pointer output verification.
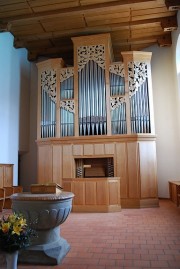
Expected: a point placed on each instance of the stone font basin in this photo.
(45, 212)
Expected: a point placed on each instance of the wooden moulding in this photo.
(48, 188)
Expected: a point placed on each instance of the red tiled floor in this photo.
(130, 239)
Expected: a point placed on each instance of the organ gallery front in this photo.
(96, 133)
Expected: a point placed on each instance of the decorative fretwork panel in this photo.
(48, 83)
(137, 74)
(94, 53)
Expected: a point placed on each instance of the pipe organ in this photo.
(98, 111)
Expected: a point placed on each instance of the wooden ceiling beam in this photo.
(172, 4)
(162, 40)
(167, 24)
(146, 39)
(80, 10)
(165, 41)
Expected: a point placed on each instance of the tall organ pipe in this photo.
(118, 115)
(140, 113)
(92, 100)
(67, 117)
(48, 112)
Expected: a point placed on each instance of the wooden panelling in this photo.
(134, 163)
(147, 156)
(78, 188)
(88, 149)
(67, 186)
(114, 195)
(78, 150)
(102, 194)
(57, 164)
(99, 149)
(94, 194)
(67, 164)
(109, 148)
(45, 174)
(121, 168)
(133, 173)
(90, 193)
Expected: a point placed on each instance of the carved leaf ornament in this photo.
(66, 73)
(48, 83)
(137, 74)
(116, 101)
(95, 53)
(117, 69)
(68, 105)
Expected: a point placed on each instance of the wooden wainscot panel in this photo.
(67, 186)
(44, 163)
(133, 173)
(99, 149)
(94, 194)
(102, 193)
(78, 150)
(88, 149)
(67, 161)
(109, 148)
(90, 192)
(78, 188)
(114, 192)
(120, 168)
(147, 153)
(57, 164)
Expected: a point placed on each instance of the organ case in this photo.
(99, 109)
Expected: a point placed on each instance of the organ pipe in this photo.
(92, 100)
(66, 116)
(48, 118)
(140, 113)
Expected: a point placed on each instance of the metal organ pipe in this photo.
(48, 118)
(92, 100)
(118, 115)
(140, 113)
(67, 117)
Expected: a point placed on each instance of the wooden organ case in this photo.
(96, 132)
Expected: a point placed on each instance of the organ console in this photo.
(98, 111)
